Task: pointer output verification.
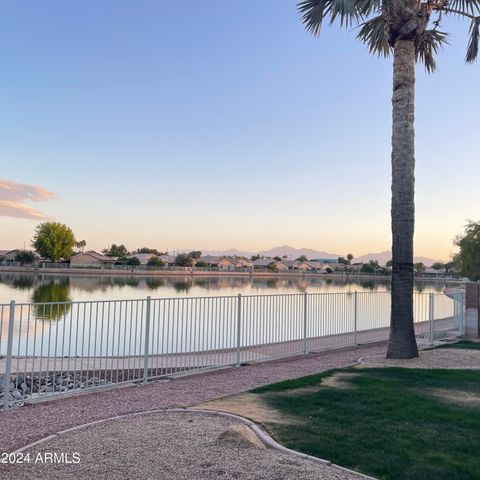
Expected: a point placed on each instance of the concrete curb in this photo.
(266, 439)
(269, 442)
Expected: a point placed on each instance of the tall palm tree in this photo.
(410, 31)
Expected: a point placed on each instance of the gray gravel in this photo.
(24, 425)
(447, 358)
(173, 446)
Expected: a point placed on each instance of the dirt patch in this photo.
(246, 405)
(458, 397)
(240, 435)
(339, 380)
(255, 407)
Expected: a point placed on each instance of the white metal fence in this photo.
(49, 349)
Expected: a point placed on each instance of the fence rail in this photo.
(49, 349)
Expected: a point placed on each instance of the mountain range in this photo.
(293, 253)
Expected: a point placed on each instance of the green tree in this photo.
(410, 31)
(155, 261)
(153, 251)
(370, 267)
(367, 268)
(183, 260)
(133, 261)
(195, 254)
(201, 264)
(389, 264)
(450, 267)
(302, 258)
(438, 266)
(467, 260)
(54, 241)
(272, 266)
(349, 258)
(419, 267)
(254, 257)
(25, 257)
(277, 258)
(119, 251)
(343, 261)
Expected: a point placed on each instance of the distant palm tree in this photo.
(408, 29)
(81, 245)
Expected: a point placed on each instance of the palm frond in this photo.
(428, 45)
(466, 6)
(472, 49)
(313, 12)
(373, 34)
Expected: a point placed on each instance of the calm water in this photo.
(115, 328)
(48, 288)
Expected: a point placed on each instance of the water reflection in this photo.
(23, 282)
(51, 295)
(153, 283)
(369, 285)
(52, 288)
(182, 286)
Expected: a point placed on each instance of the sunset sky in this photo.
(220, 124)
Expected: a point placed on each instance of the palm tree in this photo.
(81, 245)
(410, 31)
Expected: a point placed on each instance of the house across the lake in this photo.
(143, 257)
(7, 257)
(297, 265)
(225, 263)
(168, 259)
(91, 259)
(270, 263)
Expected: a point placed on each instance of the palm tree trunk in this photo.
(402, 343)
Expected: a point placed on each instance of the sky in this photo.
(220, 124)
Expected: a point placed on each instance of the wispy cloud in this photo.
(13, 195)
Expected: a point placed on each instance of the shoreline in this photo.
(203, 273)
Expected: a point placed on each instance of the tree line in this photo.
(56, 242)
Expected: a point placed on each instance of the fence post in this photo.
(430, 318)
(8, 365)
(239, 329)
(147, 339)
(462, 312)
(355, 318)
(305, 322)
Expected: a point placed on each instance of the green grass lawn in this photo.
(465, 344)
(391, 423)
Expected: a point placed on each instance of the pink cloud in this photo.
(13, 195)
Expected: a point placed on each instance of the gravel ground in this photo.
(168, 446)
(448, 358)
(27, 424)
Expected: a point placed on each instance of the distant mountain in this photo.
(290, 252)
(227, 253)
(383, 257)
(293, 253)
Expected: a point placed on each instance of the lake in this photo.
(25, 288)
(81, 316)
